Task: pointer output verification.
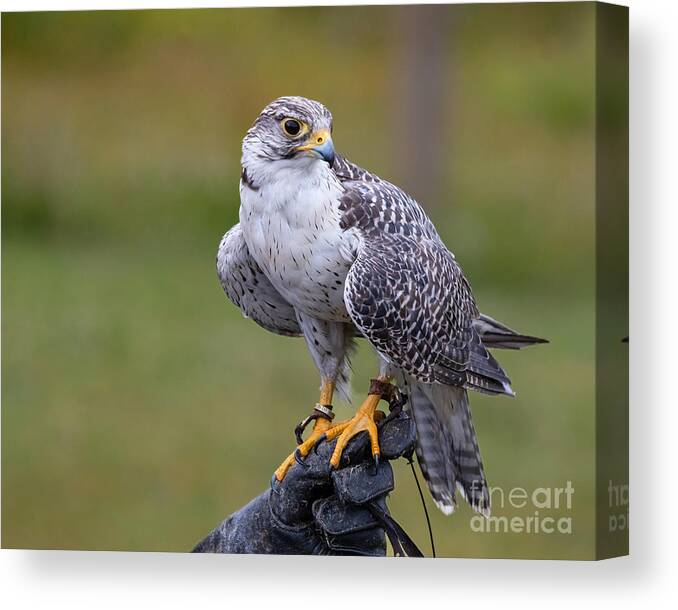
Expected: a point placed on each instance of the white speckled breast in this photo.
(291, 226)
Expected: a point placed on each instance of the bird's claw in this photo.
(321, 438)
(275, 484)
(299, 458)
(375, 467)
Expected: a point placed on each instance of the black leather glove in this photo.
(316, 511)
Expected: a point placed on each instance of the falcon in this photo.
(330, 252)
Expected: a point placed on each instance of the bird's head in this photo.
(293, 130)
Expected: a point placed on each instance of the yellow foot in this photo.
(321, 427)
(363, 421)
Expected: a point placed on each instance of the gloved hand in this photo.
(316, 511)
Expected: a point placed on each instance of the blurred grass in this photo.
(133, 391)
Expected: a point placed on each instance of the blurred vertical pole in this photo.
(421, 108)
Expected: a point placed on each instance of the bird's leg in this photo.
(321, 412)
(364, 420)
(322, 416)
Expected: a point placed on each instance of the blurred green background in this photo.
(139, 407)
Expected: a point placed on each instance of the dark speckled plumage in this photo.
(405, 291)
(402, 289)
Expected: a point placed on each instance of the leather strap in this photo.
(319, 412)
(381, 388)
(403, 545)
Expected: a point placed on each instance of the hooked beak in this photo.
(320, 142)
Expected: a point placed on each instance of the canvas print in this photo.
(319, 280)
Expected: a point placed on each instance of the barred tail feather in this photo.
(496, 335)
(447, 448)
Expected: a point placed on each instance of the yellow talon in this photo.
(364, 420)
(321, 427)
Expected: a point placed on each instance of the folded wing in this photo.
(246, 285)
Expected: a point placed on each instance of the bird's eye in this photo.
(291, 127)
